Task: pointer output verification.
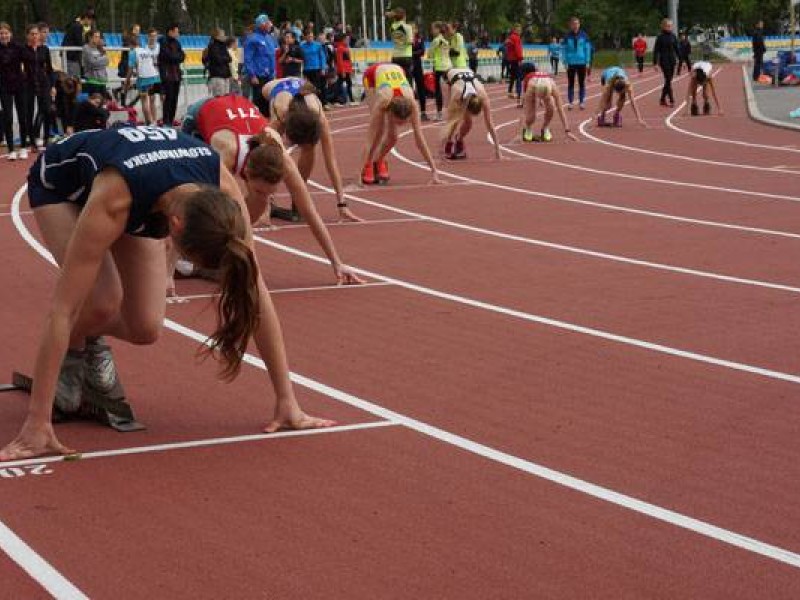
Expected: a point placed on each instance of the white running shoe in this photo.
(355, 104)
(69, 387)
(101, 373)
(583, 106)
(569, 106)
(23, 154)
(12, 155)
(39, 143)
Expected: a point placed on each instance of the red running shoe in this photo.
(368, 174)
(383, 170)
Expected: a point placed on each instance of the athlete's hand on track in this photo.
(294, 418)
(346, 215)
(346, 275)
(435, 180)
(644, 124)
(33, 441)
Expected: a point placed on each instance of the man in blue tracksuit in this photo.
(576, 53)
(259, 61)
(315, 61)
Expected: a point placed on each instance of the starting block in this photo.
(112, 410)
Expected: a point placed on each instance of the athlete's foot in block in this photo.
(33, 441)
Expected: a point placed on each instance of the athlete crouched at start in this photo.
(254, 152)
(616, 80)
(468, 98)
(539, 87)
(701, 78)
(391, 105)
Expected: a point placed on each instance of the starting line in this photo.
(319, 288)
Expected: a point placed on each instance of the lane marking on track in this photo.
(319, 288)
(37, 567)
(703, 528)
(204, 443)
(571, 249)
(669, 122)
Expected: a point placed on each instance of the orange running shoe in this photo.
(383, 171)
(368, 174)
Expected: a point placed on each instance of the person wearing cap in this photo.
(259, 61)
(403, 39)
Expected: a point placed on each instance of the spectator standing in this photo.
(759, 49)
(217, 61)
(344, 70)
(458, 51)
(12, 91)
(144, 64)
(94, 61)
(502, 54)
(403, 38)
(472, 56)
(576, 52)
(75, 36)
(39, 87)
(315, 62)
(439, 52)
(129, 40)
(684, 53)
(665, 57)
(418, 72)
(259, 61)
(639, 51)
(554, 52)
(291, 56)
(514, 57)
(170, 59)
(236, 66)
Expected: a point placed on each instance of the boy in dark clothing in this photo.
(91, 113)
(665, 57)
(759, 49)
(291, 56)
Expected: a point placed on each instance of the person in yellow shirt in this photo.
(403, 39)
(391, 105)
(439, 55)
(458, 50)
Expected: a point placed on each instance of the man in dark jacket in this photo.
(759, 49)
(74, 37)
(684, 53)
(665, 56)
(170, 58)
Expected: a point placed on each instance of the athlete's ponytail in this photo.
(214, 236)
(301, 122)
(265, 159)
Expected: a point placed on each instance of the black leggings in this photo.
(419, 83)
(8, 102)
(554, 64)
(668, 69)
(406, 64)
(344, 82)
(440, 76)
(34, 126)
(171, 91)
(687, 61)
(580, 71)
(513, 77)
(640, 63)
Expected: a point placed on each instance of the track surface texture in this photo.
(575, 374)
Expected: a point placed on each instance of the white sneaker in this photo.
(354, 104)
(583, 106)
(12, 155)
(23, 154)
(569, 106)
(39, 143)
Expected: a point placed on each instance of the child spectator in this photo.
(639, 50)
(344, 70)
(217, 62)
(291, 56)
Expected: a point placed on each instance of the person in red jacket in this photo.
(514, 58)
(639, 50)
(344, 69)
(278, 64)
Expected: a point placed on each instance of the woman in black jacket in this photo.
(12, 90)
(665, 56)
(39, 89)
(217, 61)
(170, 59)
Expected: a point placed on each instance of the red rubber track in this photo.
(391, 513)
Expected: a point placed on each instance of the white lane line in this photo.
(533, 318)
(222, 441)
(571, 249)
(703, 528)
(701, 136)
(318, 288)
(37, 567)
(339, 223)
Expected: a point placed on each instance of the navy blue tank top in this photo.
(152, 160)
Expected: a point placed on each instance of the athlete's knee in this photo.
(144, 334)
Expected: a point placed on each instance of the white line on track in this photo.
(318, 288)
(703, 528)
(340, 223)
(204, 443)
(37, 567)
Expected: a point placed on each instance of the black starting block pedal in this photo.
(285, 214)
(112, 409)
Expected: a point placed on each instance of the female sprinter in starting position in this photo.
(615, 79)
(467, 99)
(103, 201)
(296, 112)
(234, 127)
(391, 105)
(701, 77)
(540, 87)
